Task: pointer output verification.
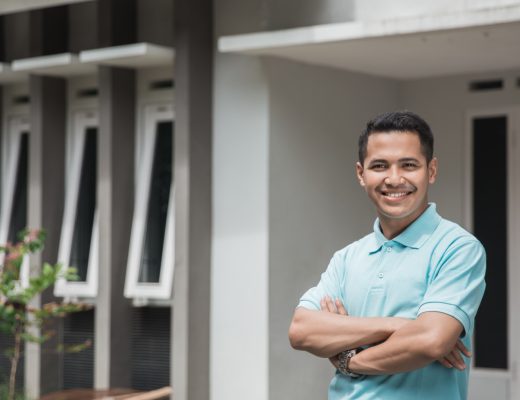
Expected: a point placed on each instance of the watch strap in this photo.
(344, 360)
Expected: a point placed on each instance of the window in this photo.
(15, 186)
(79, 233)
(151, 254)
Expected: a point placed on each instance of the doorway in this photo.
(492, 215)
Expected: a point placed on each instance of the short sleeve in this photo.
(330, 284)
(458, 285)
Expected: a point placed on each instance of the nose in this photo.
(393, 178)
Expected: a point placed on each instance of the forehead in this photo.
(394, 144)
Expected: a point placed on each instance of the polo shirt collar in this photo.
(415, 235)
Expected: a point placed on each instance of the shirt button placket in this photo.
(387, 249)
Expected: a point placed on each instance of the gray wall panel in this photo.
(16, 36)
(115, 207)
(155, 22)
(83, 26)
(46, 193)
(191, 311)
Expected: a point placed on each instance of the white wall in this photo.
(239, 281)
(239, 304)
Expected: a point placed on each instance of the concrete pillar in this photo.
(45, 209)
(193, 112)
(115, 206)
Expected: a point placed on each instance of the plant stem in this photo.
(14, 364)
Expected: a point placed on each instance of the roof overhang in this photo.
(11, 6)
(406, 48)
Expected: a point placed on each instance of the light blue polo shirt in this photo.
(434, 265)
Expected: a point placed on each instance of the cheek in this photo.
(419, 179)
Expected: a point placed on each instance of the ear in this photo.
(359, 173)
(432, 170)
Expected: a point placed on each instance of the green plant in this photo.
(19, 317)
(4, 393)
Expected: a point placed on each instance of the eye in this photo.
(378, 166)
(410, 165)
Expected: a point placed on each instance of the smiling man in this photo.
(394, 311)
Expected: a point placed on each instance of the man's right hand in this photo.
(336, 308)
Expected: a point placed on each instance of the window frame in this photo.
(152, 115)
(16, 126)
(80, 121)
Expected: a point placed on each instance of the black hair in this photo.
(400, 121)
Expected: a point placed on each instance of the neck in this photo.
(392, 227)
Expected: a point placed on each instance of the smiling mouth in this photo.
(396, 195)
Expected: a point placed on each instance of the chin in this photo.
(399, 212)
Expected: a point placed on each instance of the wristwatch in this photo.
(344, 361)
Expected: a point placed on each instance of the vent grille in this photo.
(163, 84)
(86, 93)
(78, 368)
(151, 348)
(481, 86)
(7, 342)
(23, 99)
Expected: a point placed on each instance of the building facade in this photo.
(195, 161)
(95, 152)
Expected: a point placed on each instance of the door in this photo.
(492, 215)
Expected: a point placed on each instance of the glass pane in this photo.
(490, 227)
(19, 208)
(150, 268)
(86, 206)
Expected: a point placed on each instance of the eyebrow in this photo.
(401, 160)
(378, 161)
(408, 159)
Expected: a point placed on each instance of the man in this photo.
(394, 311)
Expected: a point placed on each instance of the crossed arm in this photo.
(400, 344)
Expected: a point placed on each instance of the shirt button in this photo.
(388, 249)
(380, 275)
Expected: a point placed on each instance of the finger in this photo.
(458, 356)
(456, 360)
(449, 358)
(330, 305)
(445, 363)
(463, 348)
(340, 308)
(323, 305)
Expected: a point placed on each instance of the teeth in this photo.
(396, 195)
